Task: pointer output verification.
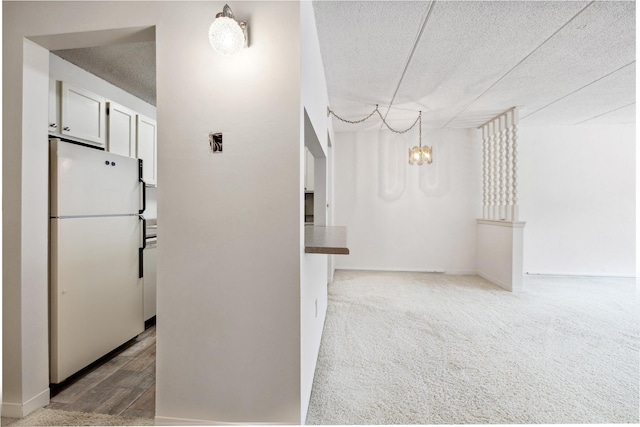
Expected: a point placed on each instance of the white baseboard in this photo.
(170, 421)
(449, 272)
(409, 270)
(596, 276)
(495, 281)
(462, 272)
(17, 410)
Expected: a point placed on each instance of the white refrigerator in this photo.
(96, 241)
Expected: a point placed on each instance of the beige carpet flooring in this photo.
(414, 348)
(57, 417)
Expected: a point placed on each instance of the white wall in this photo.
(402, 217)
(500, 253)
(25, 332)
(313, 133)
(229, 267)
(577, 196)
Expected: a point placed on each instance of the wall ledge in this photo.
(330, 240)
(502, 223)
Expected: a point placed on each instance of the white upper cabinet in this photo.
(54, 107)
(147, 148)
(309, 162)
(122, 130)
(83, 115)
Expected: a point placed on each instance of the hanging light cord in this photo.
(376, 110)
(416, 154)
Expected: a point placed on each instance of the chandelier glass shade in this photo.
(226, 35)
(420, 155)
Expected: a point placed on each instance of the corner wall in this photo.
(577, 195)
(314, 131)
(228, 267)
(408, 218)
(25, 238)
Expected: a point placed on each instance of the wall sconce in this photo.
(226, 35)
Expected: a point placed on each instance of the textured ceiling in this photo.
(129, 66)
(460, 62)
(463, 62)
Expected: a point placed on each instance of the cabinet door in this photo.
(147, 148)
(83, 114)
(54, 107)
(309, 170)
(122, 130)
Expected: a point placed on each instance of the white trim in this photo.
(502, 223)
(170, 421)
(17, 410)
(397, 270)
(608, 276)
(461, 272)
(496, 282)
(446, 272)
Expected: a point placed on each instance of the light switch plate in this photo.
(215, 142)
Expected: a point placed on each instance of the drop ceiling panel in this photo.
(475, 59)
(365, 46)
(599, 41)
(468, 46)
(608, 94)
(624, 115)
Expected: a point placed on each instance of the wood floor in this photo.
(123, 383)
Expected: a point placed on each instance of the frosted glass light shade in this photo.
(420, 155)
(426, 155)
(226, 36)
(415, 156)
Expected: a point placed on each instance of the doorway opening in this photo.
(119, 67)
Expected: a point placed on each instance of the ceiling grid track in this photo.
(519, 63)
(610, 111)
(406, 65)
(579, 89)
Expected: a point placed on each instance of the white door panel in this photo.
(122, 130)
(147, 148)
(83, 114)
(96, 295)
(86, 181)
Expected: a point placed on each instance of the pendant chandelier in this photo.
(418, 155)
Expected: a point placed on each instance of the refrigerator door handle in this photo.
(141, 250)
(144, 187)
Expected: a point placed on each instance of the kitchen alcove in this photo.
(41, 48)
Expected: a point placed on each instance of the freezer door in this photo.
(86, 181)
(96, 297)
